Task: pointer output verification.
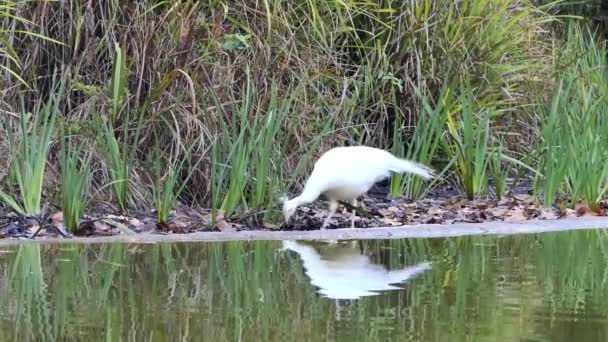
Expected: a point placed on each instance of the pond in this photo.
(535, 287)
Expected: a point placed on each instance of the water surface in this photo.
(540, 287)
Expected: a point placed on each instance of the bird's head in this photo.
(289, 208)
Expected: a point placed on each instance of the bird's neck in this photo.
(306, 196)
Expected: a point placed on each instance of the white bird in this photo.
(344, 272)
(345, 173)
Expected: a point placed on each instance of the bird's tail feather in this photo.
(403, 166)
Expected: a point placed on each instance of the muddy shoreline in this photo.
(381, 233)
(445, 212)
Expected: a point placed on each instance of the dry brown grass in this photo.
(349, 63)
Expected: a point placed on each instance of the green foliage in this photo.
(166, 190)
(75, 172)
(574, 129)
(247, 156)
(29, 146)
(319, 74)
(120, 159)
(423, 144)
(555, 156)
(467, 142)
(498, 169)
(118, 84)
(8, 20)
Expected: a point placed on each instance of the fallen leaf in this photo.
(390, 221)
(547, 214)
(224, 226)
(61, 229)
(135, 222)
(270, 226)
(568, 212)
(435, 211)
(498, 212)
(584, 210)
(117, 218)
(57, 218)
(123, 229)
(448, 215)
(178, 226)
(388, 212)
(524, 198)
(33, 229)
(515, 215)
(100, 226)
(147, 227)
(221, 224)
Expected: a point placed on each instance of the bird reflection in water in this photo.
(342, 271)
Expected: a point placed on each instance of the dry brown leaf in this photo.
(100, 226)
(124, 229)
(524, 198)
(390, 222)
(117, 218)
(508, 202)
(270, 226)
(584, 210)
(498, 212)
(57, 218)
(515, 215)
(547, 214)
(33, 229)
(388, 212)
(569, 212)
(221, 223)
(135, 222)
(435, 211)
(147, 227)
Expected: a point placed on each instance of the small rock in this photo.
(11, 229)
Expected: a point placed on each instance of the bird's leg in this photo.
(352, 221)
(333, 206)
(361, 211)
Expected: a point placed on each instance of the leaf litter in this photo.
(375, 211)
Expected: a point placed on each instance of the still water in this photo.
(545, 287)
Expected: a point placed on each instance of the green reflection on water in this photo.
(549, 287)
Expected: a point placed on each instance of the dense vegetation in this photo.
(224, 104)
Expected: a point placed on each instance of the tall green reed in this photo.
(467, 142)
(555, 156)
(120, 158)
(166, 189)
(423, 144)
(75, 174)
(498, 170)
(574, 129)
(247, 156)
(588, 176)
(29, 145)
